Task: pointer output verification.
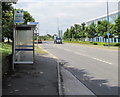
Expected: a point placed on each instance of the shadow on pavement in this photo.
(37, 79)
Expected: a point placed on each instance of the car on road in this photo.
(58, 40)
(39, 41)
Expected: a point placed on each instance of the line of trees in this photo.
(7, 20)
(82, 31)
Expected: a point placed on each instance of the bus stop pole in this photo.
(38, 32)
(37, 40)
(13, 44)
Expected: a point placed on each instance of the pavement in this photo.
(37, 79)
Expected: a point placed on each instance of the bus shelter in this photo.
(24, 44)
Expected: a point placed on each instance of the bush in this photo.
(112, 44)
(117, 44)
(104, 44)
(91, 42)
(95, 44)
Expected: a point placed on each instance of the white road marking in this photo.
(78, 53)
(102, 60)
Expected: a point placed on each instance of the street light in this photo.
(108, 27)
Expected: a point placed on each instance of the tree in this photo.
(28, 17)
(7, 20)
(113, 30)
(77, 31)
(101, 28)
(67, 34)
(91, 30)
(94, 30)
(7, 27)
(117, 24)
(6, 7)
(83, 26)
(83, 31)
(72, 32)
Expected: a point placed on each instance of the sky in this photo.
(66, 13)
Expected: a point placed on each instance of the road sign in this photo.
(32, 23)
(19, 16)
(108, 34)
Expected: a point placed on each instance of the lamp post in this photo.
(108, 27)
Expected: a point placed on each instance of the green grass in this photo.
(80, 42)
(93, 43)
(40, 50)
(5, 49)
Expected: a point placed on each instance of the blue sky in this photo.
(68, 12)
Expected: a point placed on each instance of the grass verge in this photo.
(94, 43)
(5, 49)
(39, 50)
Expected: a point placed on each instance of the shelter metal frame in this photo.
(20, 48)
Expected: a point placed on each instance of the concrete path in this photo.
(38, 79)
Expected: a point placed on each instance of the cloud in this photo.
(67, 11)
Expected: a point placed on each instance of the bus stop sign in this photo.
(19, 16)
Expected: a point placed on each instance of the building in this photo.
(112, 17)
(60, 33)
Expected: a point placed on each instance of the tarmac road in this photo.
(95, 67)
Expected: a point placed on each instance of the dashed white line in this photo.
(102, 60)
(87, 56)
(78, 53)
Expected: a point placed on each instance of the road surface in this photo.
(96, 68)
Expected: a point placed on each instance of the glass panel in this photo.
(24, 46)
(24, 37)
(24, 56)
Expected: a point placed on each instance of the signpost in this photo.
(108, 27)
(108, 34)
(19, 16)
